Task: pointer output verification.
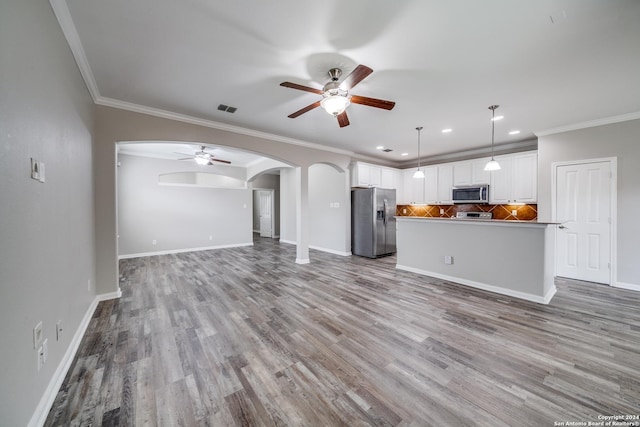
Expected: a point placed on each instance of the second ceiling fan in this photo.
(336, 97)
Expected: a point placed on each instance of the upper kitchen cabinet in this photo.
(368, 175)
(413, 188)
(438, 181)
(470, 172)
(516, 181)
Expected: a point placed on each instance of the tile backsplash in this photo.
(524, 212)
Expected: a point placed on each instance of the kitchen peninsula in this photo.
(514, 258)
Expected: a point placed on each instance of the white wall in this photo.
(621, 140)
(46, 229)
(288, 232)
(329, 205)
(178, 218)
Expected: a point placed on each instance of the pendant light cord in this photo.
(419, 128)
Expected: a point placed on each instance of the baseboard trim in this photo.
(288, 242)
(46, 401)
(179, 251)
(629, 286)
(484, 286)
(302, 261)
(331, 251)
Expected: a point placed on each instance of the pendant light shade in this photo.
(419, 174)
(492, 165)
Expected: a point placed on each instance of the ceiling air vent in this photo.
(387, 150)
(227, 108)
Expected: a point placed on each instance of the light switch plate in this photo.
(37, 335)
(35, 169)
(41, 171)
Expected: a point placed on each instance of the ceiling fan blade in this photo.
(304, 110)
(343, 120)
(356, 77)
(186, 158)
(219, 160)
(373, 102)
(301, 87)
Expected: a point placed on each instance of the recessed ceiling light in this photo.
(446, 130)
(404, 154)
(380, 147)
(514, 132)
(496, 118)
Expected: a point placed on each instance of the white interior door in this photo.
(583, 205)
(266, 213)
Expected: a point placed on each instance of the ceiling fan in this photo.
(202, 157)
(335, 96)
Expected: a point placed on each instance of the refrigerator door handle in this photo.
(384, 216)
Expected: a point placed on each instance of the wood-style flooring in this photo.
(244, 336)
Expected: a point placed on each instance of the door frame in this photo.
(271, 192)
(613, 209)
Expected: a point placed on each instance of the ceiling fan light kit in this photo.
(336, 97)
(492, 165)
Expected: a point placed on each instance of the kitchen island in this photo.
(514, 258)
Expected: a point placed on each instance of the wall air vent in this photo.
(227, 108)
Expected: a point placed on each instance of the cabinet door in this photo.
(387, 178)
(445, 182)
(478, 174)
(362, 173)
(500, 189)
(462, 173)
(374, 176)
(413, 188)
(525, 178)
(431, 185)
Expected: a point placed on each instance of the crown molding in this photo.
(123, 105)
(590, 124)
(63, 15)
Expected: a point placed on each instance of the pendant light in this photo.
(492, 165)
(418, 174)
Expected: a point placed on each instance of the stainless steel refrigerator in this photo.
(373, 222)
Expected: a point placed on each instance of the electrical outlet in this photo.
(45, 351)
(37, 335)
(441, 211)
(448, 259)
(210, 237)
(154, 241)
(404, 211)
(514, 212)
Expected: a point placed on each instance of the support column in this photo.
(302, 215)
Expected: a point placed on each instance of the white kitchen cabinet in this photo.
(368, 175)
(462, 173)
(470, 172)
(438, 181)
(516, 181)
(478, 174)
(413, 188)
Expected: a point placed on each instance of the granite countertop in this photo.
(480, 220)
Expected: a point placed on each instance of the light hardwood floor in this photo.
(245, 336)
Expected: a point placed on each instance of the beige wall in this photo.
(620, 140)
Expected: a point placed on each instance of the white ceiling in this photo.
(549, 64)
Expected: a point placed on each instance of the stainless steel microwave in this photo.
(471, 194)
